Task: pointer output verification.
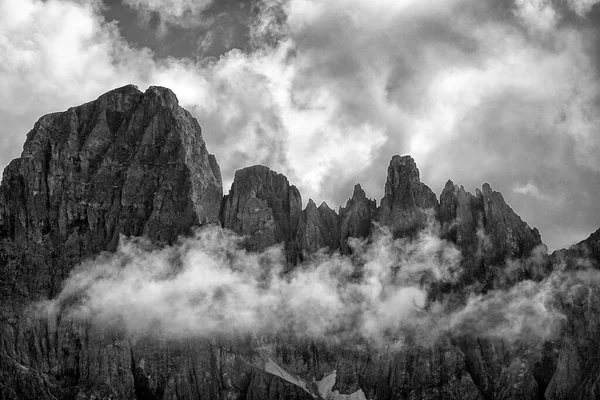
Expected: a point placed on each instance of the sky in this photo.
(326, 91)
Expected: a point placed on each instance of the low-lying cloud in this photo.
(208, 285)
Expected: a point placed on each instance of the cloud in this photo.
(582, 7)
(531, 190)
(183, 13)
(208, 285)
(539, 15)
(328, 91)
(542, 16)
(53, 50)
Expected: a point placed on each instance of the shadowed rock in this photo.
(510, 236)
(356, 218)
(404, 207)
(487, 231)
(317, 228)
(263, 206)
(128, 163)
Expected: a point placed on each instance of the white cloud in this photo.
(581, 7)
(62, 53)
(53, 51)
(539, 15)
(334, 88)
(208, 284)
(532, 190)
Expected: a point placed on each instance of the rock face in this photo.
(317, 228)
(486, 229)
(406, 201)
(586, 251)
(129, 163)
(510, 236)
(356, 218)
(263, 206)
(460, 215)
(577, 359)
(133, 163)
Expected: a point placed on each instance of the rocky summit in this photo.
(134, 164)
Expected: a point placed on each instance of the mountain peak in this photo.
(263, 206)
(115, 166)
(403, 208)
(358, 192)
(123, 90)
(406, 160)
(165, 95)
(486, 188)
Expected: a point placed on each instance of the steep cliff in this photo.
(356, 218)
(262, 206)
(404, 207)
(487, 231)
(318, 228)
(128, 163)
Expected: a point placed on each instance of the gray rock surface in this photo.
(488, 233)
(318, 228)
(356, 218)
(404, 207)
(128, 163)
(263, 206)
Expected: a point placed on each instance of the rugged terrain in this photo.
(135, 164)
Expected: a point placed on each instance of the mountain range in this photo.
(490, 314)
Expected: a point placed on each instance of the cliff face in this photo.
(487, 231)
(262, 206)
(318, 228)
(406, 201)
(129, 163)
(356, 218)
(135, 164)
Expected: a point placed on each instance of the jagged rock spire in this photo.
(406, 200)
(318, 228)
(262, 205)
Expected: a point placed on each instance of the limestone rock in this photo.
(511, 237)
(404, 207)
(128, 163)
(487, 231)
(263, 206)
(318, 228)
(459, 214)
(356, 218)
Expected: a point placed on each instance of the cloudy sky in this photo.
(326, 91)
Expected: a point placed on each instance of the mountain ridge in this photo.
(134, 163)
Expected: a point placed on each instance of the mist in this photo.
(208, 285)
